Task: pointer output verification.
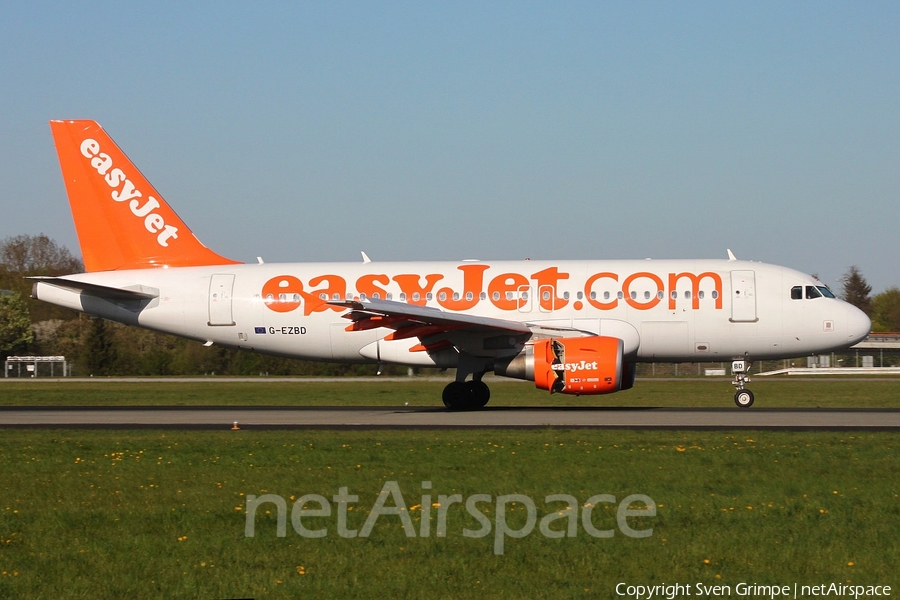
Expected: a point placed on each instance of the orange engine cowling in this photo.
(586, 365)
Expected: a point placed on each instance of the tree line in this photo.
(97, 347)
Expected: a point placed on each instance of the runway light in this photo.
(235, 426)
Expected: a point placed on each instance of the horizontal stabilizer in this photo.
(132, 292)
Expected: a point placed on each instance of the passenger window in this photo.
(715, 294)
(660, 294)
(483, 295)
(546, 295)
(565, 295)
(402, 296)
(646, 295)
(620, 295)
(687, 295)
(377, 295)
(429, 296)
(797, 292)
(812, 292)
(674, 294)
(469, 296)
(700, 294)
(495, 296)
(442, 296)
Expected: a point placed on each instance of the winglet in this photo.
(731, 256)
(366, 259)
(121, 220)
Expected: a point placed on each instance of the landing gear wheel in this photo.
(743, 398)
(466, 395)
(455, 395)
(479, 392)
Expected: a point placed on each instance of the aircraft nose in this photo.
(858, 324)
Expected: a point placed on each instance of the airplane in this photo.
(571, 326)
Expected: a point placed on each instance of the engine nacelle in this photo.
(585, 365)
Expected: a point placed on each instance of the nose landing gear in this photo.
(742, 397)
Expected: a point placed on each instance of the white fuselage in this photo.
(664, 310)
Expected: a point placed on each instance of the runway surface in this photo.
(439, 418)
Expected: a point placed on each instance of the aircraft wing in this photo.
(134, 292)
(437, 329)
(401, 312)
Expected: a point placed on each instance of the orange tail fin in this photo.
(122, 222)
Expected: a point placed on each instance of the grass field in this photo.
(781, 392)
(153, 514)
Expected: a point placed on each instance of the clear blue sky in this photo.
(310, 131)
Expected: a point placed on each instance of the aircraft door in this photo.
(221, 288)
(743, 297)
(547, 298)
(524, 298)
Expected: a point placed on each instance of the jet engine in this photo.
(585, 365)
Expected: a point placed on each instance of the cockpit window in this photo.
(812, 292)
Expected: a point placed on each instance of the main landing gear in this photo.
(472, 394)
(466, 395)
(742, 397)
